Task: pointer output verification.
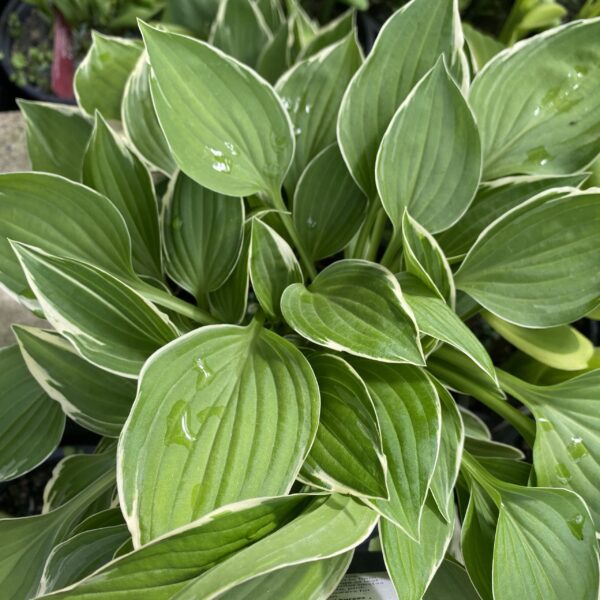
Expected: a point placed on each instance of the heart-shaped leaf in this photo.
(429, 161)
(355, 306)
(31, 424)
(196, 440)
(203, 233)
(536, 265)
(226, 127)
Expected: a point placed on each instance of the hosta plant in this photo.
(264, 297)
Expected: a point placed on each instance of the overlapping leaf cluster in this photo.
(259, 295)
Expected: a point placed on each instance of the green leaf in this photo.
(101, 77)
(480, 447)
(482, 47)
(60, 217)
(81, 555)
(307, 581)
(273, 266)
(272, 13)
(561, 347)
(104, 518)
(196, 439)
(240, 30)
(140, 122)
(57, 136)
(109, 324)
(545, 547)
(328, 206)
(534, 103)
(347, 454)
(328, 528)
(274, 59)
(93, 398)
(27, 541)
(435, 318)
(329, 34)
(31, 424)
(429, 160)
(494, 199)
(451, 582)
(536, 266)
(408, 410)
(566, 452)
(355, 306)
(408, 45)
(112, 169)
(312, 93)
(194, 549)
(425, 259)
(198, 15)
(203, 234)
(226, 127)
(411, 564)
(230, 301)
(474, 425)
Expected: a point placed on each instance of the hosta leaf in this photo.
(203, 233)
(112, 169)
(27, 541)
(196, 439)
(328, 528)
(194, 549)
(534, 103)
(106, 67)
(61, 217)
(104, 518)
(355, 306)
(567, 445)
(482, 47)
(494, 199)
(197, 15)
(140, 122)
(328, 206)
(329, 34)
(481, 447)
(231, 299)
(435, 318)
(57, 135)
(545, 547)
(451, 582)
(226, 127)
(425, 259)
(240, 30)
(93, 398)
(561, 347)
(408, 410)
(272, 13)
(429, 161)
(81, 555)
(107, 321)
(31, 424)
(312, 92)
(411, 564)
(408, 45)
(536, 266)
(274, 59)
(347, 455)
(306, 581)
(273, 266)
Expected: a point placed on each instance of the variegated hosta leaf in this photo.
(273, 14)
(408, 410)
(226, 127)
(92, 397)
(57, 136)
(329, 34)
(101, 77)
(482, 47)
(110, 168)
(109, 323)
(31, 424)
(429, 160)
(451, 582)
(312, 92)
(195, 548)
(140, 122)
(328, 206)
(196, 15)
(535, 106)
(408, 45)
(197, 437)
(537, 265)
(355, 306)
(202, 233)
(347, 454)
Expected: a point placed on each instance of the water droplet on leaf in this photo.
(577, 449)
(562, 473)
(576, 524)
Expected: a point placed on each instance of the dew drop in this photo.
(311, 223)
(204, 373)
(231, 148)
(176, 223)
(178, 426)
(297, 131)
(545, 424)
(222, 166)
(576, 524)
(562, 473)
(576, 448)
(539, 156)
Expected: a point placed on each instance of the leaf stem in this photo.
(378, 229)
(392, 250)
(307, 262)
(485, 479)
